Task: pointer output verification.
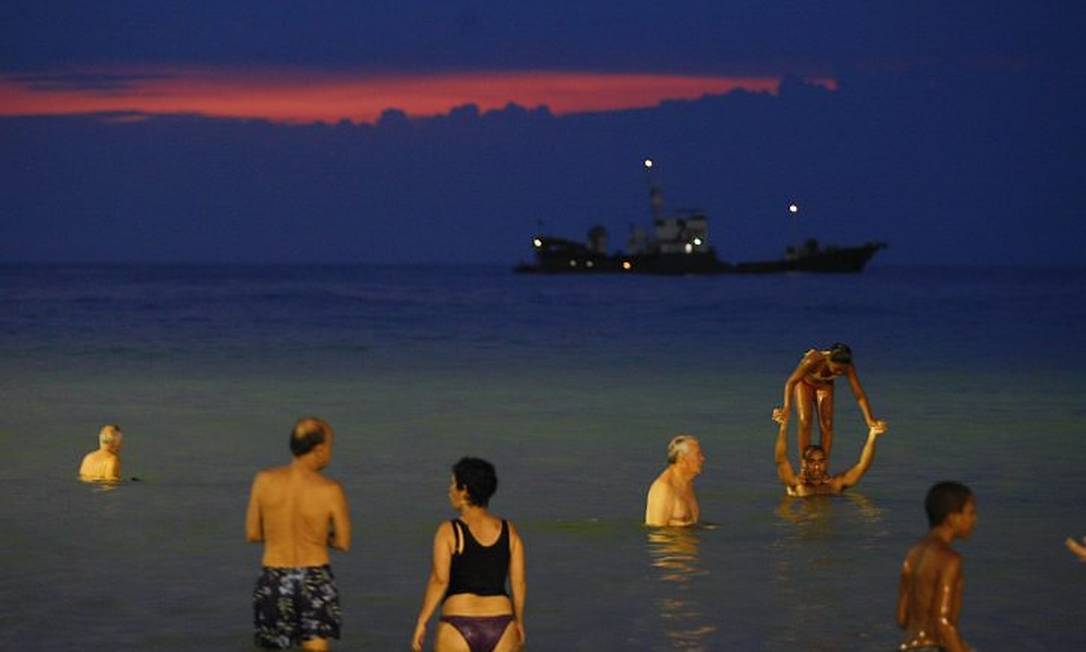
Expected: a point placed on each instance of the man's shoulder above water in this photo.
(284, 477)
(830, 487)
(100, 465)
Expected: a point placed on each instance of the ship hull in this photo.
(843, 260)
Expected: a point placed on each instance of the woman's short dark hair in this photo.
(307, 434)
(840, 353)
(945, 498)
(478, 477)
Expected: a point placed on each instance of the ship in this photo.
(679, 244)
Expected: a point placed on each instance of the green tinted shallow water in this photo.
(576, 419)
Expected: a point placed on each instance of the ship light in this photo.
(537, 242)
(648, 162)
(590, 264)
(573, 263)
(792, 208)
(697, 242)
(688, 248)
(626, 265)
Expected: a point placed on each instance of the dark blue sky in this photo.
(954, 133)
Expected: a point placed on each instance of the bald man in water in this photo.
(671, 500)
(298, 513)
(104, 464)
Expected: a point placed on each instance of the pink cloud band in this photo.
(300, 96)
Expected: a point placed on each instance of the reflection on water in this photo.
(674, 553)
(809, 570)
(813, 515)
(101, 485)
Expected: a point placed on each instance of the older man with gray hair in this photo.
(671, 500)
(104, 464)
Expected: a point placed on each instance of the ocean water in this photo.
(572, 387)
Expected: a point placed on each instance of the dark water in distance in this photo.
(572, 386)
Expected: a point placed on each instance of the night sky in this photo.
(413, 132)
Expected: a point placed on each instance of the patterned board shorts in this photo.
(291, 605)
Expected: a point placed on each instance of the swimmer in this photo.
(104, 464)
(811, 383)
(813, 478)
(930, 592)
(298, 513)
(473, 557)
(671, 500)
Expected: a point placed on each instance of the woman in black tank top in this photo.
(474, 556)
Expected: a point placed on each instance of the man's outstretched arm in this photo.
(867, 456)
(780, 455)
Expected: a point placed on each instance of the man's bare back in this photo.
(100, 465)
(297, 513)
(104, 463)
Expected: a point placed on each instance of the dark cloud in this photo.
(946, 167)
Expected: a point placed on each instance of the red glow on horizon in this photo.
(300, 97)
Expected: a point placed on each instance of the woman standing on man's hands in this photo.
(812, 386)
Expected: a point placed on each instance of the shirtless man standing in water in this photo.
(104, 464)
(298, 513)
(930, 593)
(813, 478)
(671, 500)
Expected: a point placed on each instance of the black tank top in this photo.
(479, 569)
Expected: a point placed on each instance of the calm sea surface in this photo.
(572, 387)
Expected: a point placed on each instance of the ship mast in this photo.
(656, 194)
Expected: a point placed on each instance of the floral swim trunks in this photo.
(291, 605)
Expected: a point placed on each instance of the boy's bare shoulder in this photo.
(930, 550)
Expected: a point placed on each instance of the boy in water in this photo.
(930, 593)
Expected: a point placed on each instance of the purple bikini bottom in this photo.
(481, 632)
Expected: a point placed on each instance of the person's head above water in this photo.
(110, 438)
(685, 450)
(951, 503)
(477, 477)
(312, 435)
(813, 464)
